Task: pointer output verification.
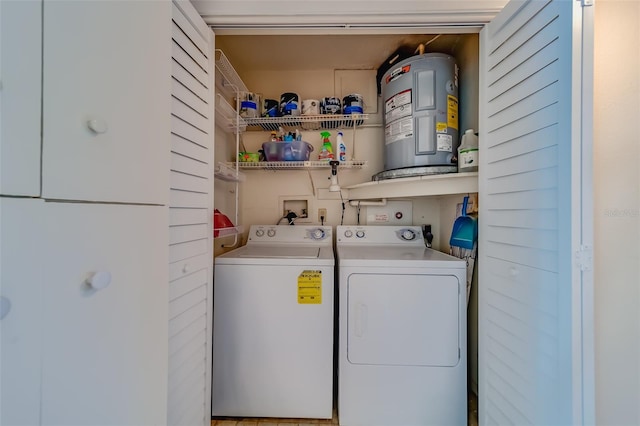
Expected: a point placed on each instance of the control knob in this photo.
(408, 235)
(317, 234)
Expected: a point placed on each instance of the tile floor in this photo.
(473, 419)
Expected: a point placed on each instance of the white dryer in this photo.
(273, 323)
(402, 324)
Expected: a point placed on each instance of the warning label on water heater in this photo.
(398, 116)
(444, 142)
(310, 287)
(398, 130)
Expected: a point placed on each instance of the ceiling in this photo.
(326, 51)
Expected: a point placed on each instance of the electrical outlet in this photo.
(322, 213)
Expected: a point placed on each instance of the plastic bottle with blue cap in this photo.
(342, 149)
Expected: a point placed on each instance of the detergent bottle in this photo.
(326, 152)
(468, 152)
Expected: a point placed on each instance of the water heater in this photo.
(420, 116)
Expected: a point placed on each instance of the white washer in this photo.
(273, 323)
(402, 344)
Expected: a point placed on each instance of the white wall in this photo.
(617, 211)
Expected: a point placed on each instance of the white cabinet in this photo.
(20, 97)
(104, 352)
(80, 111)
(84, 340)
(21, 280)
(84, 285)
(105, 101)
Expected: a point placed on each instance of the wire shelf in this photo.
(226, 172)
(279, 165)
(226, 232)
(230, 79)
(308, 122)
(227, 118)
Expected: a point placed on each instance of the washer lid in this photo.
(280, 252)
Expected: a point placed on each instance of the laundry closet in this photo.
(330, 65)
(511, 90)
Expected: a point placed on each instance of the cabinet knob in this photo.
(97, 125)
(185, 268)
(513, 271)
(5, 307)
(99, 280)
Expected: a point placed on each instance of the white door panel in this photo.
(21, 278)
(188, 199)
(186, 113)
(184, 134)
(188, 63)
(189, 266)
(530, 303)
(190, 216)
(196, 32)
(272, 355)
(409, 320)
(102, 350)
(105, 101)
(20, 97)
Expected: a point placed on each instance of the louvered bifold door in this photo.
(191, 206)
(530, 365)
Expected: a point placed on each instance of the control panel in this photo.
(401, 235)
(288, 233)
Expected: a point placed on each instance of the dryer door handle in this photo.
(361, 319)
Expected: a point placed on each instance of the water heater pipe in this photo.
(356, 203)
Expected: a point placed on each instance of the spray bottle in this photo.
(326, 152)
(342, 149)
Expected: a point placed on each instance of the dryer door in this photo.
(403, 319)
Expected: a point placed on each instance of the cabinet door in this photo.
(106, 100)
(20, 96)
(21, 311)
(105, 315)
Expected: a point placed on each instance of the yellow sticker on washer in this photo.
(452, 111)
(441, 127)
(310, 287)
